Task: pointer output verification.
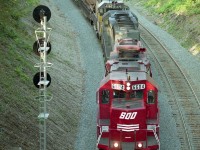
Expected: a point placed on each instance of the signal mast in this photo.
(42, 79)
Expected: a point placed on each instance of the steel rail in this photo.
(198, 101)
(170, 85)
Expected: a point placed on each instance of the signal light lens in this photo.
(40, 43)
(38, 76)
(37, 12)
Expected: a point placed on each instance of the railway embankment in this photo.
(18, 109)
(180, 19)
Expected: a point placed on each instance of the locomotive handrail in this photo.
(156, 136)
(99, 137)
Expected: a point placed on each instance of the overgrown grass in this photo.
(15, 52)
(16, 70)
(189, 7)
(15, 43)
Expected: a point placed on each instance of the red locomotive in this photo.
(128, 115)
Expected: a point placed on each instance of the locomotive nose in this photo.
(129, 122)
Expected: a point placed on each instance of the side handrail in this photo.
(99, 137)
(156, 136)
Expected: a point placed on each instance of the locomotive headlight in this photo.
(128, 88)
(139, 145)
(116, 144)
(128, 84)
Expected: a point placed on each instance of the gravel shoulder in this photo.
(77, 45)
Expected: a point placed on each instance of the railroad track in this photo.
(182, 95)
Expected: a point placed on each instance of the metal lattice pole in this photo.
(42, 79)
(42, 93)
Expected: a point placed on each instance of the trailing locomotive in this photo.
(128, 113)
(116, 25)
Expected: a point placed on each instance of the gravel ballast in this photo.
(92, 63)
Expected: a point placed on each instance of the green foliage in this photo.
(20, 72)
(189, 7)
(15, 47)
(180, 18)
(16, 8)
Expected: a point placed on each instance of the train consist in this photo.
(128, 113)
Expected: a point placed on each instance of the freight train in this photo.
(127, 98)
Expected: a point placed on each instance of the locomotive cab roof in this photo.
(123, 76)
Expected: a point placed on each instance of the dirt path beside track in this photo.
(75, 41)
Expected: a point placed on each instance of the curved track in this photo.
(182, 96)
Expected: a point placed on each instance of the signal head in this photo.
(40, 11)
(38, 76)
(40, 43)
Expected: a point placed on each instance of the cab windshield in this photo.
(127, 100)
